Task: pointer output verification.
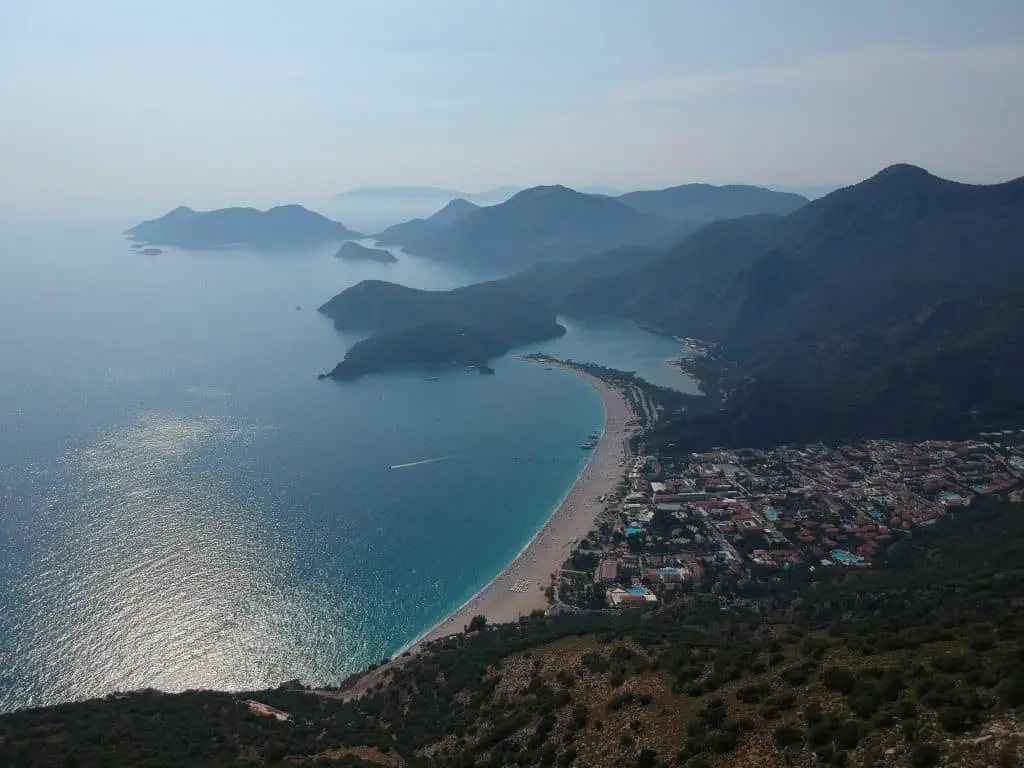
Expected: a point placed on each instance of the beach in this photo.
(530, 572)
(519, 589)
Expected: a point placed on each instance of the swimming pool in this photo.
(845, 557)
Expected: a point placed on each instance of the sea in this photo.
(182, 503)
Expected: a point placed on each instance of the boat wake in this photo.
(419, 463)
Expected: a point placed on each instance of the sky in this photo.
(224, 102)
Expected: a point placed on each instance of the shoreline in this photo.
(572, 518)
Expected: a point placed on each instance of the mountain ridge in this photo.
(704, 203)
(549, 223)
(278, 228)
(407, 233)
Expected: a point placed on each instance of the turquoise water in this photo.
(183, 505)
(845, 557)
(621, 344)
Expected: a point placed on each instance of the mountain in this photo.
(413, 328)
(704, 203)
(355, 252)
(412, 231)
(889, 307)
(544, 224)
(281, 228)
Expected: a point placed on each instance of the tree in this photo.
(477, 624)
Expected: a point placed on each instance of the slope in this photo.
(408, 233)
(704, 203)
(545, 224)
(279, 228)
(417, 328)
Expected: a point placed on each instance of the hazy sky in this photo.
(218, 101)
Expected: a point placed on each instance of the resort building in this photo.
(634, 597)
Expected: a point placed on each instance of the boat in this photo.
(587, 445)
(431, 378)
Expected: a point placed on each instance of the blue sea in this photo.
(183, 504)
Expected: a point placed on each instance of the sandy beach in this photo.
(519, 589)
(530, 573)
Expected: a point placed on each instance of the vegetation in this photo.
(408, 233)
(356, 252)
(903, 665)
(416, 328)
(890, 308)
(704, 203)
(285, 227)
(542, 224)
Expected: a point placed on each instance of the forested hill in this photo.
(704, 203)
(539, 225)
(414, 328)
(284, 227)
(409, 233)
(890, 307)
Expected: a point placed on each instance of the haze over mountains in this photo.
(283, 227)
(409, 232)
(703, 203)
(894, 306)
(557, 223)
(486, 197)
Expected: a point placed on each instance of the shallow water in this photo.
(183, 505)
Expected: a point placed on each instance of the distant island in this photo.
(147, 251)
(408, 233)
(356, 252)
(415, 329)
(285, 227)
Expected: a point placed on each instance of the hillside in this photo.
(355, 252)
(544, 224)
(704, 203)
(408, 233)
(889, 307)
(414, 328)
(913, 663)
(281, 228)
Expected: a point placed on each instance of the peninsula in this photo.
(414, 328)
(282, 228)
(351, 251)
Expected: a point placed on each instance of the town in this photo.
(679, 524)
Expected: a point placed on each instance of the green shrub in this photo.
(838, 679)
(925, 755)
(785, 735)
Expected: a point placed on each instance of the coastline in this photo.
(573, 518)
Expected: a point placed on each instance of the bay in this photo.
(183, 504)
